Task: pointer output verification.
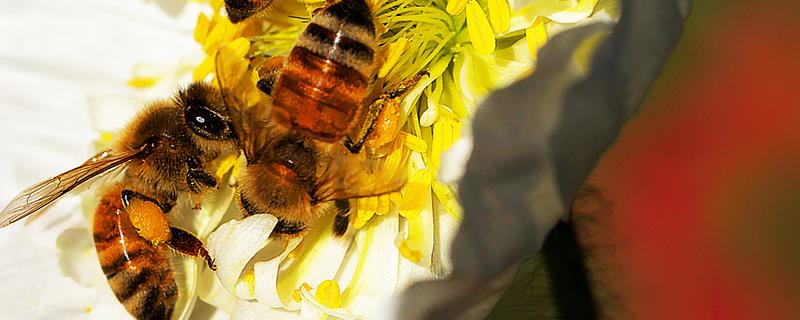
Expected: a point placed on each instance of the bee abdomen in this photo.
(327, 75)
(138, 272)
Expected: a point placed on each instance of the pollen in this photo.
(328, 294)
(148, 219)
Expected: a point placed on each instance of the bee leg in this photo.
(239, 10)
(342, 219)
(380, 124)
(186, 243)
(286, 228)
(197, 177)
(268, 73)
(149, 219)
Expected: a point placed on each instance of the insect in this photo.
(323, 93)
(168, 152)
(326, 87)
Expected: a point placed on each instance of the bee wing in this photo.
(350, 176)
(249, 122)
(40, 195)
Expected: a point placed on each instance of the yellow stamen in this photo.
(201, 29)
(536, 35)
(499, 15)
(448, 199)
(142, 82)
(328, 294)
(415, 143)
(454, 7)
(480, 31)
(416, 194)
(395, 50)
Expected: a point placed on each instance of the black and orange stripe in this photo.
(138, 272)
(327, 75)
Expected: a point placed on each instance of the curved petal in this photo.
(555, 126)
(235, 243)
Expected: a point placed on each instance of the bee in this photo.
(327, 87)
(168, 151)
(299, 179)
(303, 149)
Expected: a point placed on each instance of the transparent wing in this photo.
(350, 176)
(40, 195)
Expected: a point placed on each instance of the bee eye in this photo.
(207, 123)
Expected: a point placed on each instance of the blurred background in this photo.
(700, 210)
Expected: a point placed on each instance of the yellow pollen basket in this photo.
(149, 220)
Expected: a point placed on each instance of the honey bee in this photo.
(327, 88)
(323, 93)
(169, 150)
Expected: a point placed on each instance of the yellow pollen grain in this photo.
(296, 296)
(328, 294)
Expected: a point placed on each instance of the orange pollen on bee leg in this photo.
(148, 219)
(386, 126)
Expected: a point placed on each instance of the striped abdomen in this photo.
(138, 272)
(327, 76)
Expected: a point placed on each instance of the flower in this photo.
(399, 238)
(402, 237)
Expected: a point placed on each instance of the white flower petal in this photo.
(251, 310)
(266, 278)
(456, 159)
(317, 258)
(212, 292)
(234, 243)
(375, 281)
(33, 287)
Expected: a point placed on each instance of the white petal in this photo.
(319, 257)
(33, 287)
(374, 285)
(266, 278)
(234, 243)
(251, 310)
(211, 291)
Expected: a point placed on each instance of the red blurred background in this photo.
(704, 183)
